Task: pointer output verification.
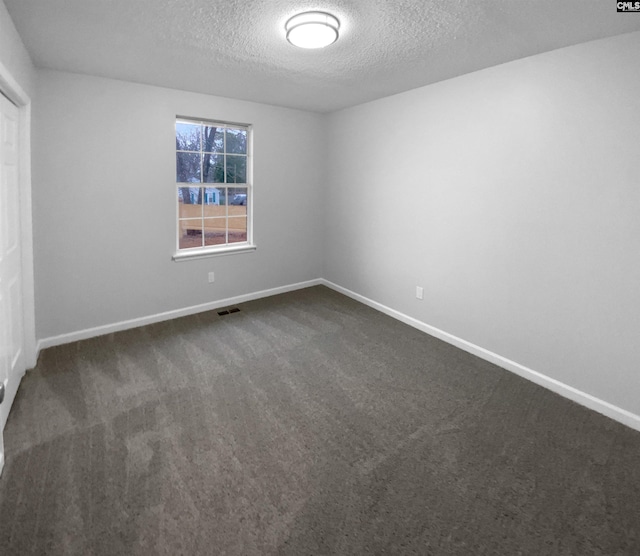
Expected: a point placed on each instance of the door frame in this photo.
(16, 94)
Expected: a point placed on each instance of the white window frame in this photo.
(227, 248)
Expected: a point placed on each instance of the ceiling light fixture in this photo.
(312, 29)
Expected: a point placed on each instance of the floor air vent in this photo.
(228, 311)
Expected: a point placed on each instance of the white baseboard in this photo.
(587, 400)
(168, 315)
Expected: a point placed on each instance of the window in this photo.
(213, 179)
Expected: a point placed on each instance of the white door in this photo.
(12, 364)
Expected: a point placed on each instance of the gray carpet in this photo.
(305, 424)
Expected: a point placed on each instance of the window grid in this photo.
(197, 231)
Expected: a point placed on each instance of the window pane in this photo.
(190, 202)
(213, 168)
(237, 201)
(237, 229)
(212, 139)
(237, 141)
(214, 202)
(187, 168)
(215, 231)
(236, 169)
(190, 233)
(187, 136)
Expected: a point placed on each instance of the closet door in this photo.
(12, 364)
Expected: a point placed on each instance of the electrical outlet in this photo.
(212, 277)
(419, 292)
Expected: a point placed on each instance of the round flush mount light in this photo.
(312, 29)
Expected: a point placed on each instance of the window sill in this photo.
(188, 255)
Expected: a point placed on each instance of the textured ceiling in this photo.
(236, 48)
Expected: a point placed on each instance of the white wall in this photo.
(105, 202)
(512, 195)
